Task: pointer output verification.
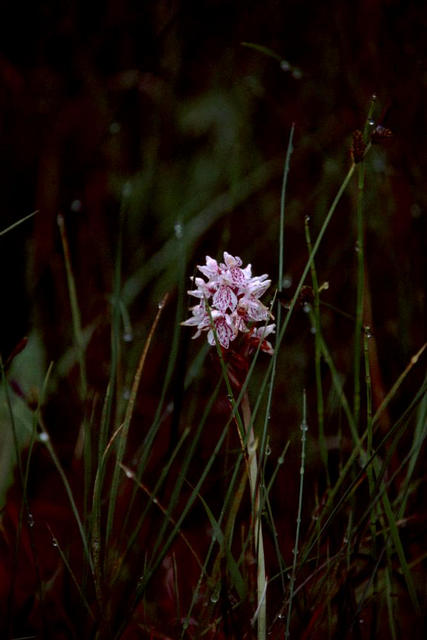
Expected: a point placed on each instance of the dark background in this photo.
(159, 105)
(164, 95)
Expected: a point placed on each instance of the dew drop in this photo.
(285, 65)
(313, 330)
(178, 230)
(368, 332)
(307, 219)
(345, 540)
(287, 282)
(54, 542)
(371, 123)
(129, 473)
(115, 128)
(126, 394)
(297, 74)
(357, 247)
(304, 427)
(160, 304)
(280, 460)
(30, 520)
(214, 597)
(306, 307)
(43, 436)
(76, 206)
(361, 621)
(127, 336)
(267, 450)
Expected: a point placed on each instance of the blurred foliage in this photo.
(156, 109)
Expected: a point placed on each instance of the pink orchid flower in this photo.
(229, 300)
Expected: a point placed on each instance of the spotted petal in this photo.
(224, 299)
(224, 332)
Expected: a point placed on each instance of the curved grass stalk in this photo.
(124, 433)
(80, 349)
(172, 359)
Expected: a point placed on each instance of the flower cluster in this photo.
(229, 300)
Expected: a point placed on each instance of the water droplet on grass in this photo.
(214, 597)
(287, 282)
(30, 520)
(128, 336)
(76, 206)
(115, 127)
(44, 437)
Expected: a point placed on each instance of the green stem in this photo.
(318, 355)
(360, 292)
(282, 206)
(360, 250)
(304, 428)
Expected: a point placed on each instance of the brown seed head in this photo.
(358, 147)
